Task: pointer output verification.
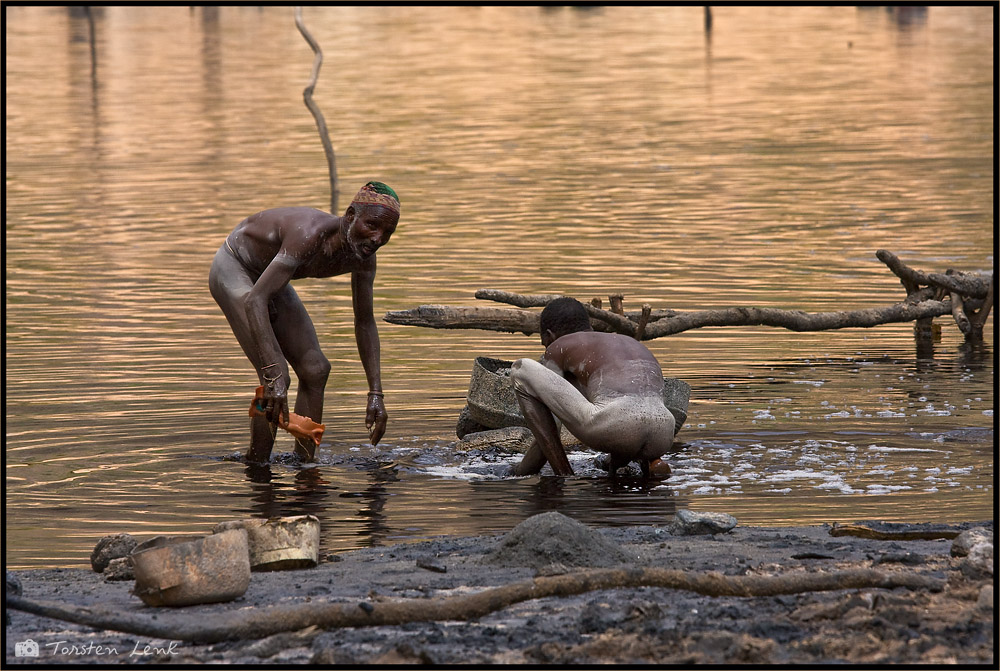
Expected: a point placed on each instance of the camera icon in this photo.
(26, 648)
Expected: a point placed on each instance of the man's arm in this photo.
(560, 361)
(271, 361)
(366, 334)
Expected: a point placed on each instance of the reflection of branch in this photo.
(89, 12)
(258, 623)
(307, 94)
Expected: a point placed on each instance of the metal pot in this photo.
(188, 570)
(279, 543)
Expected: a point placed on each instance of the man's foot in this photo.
(657, 469)
(257, 456)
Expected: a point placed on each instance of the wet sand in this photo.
(622, 625)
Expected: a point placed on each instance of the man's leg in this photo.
(611, 462)
(262, 434)
(532, 461)
(543, 427)
(540, 394)
(297, 337)
(229, 283)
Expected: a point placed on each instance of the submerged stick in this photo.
(259, 623)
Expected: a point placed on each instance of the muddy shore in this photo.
(953, 624)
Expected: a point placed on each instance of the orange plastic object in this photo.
(298, 426)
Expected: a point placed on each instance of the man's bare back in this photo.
(315, 241)
(607, 389)
(605, 364)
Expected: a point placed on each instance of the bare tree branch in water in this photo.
(257, 623)
(307, 94)
(966, 292)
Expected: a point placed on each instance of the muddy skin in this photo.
(607, 389)
(250, 280)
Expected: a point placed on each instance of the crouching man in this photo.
(606, 388)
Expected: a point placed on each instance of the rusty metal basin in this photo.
(492, 402)
(279, 543)
(189, 570)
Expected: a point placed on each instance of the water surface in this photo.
(536, 150)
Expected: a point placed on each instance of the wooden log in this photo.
(541, 300)
(447, 317)
(895, 532)
(910, 278)
(978, 317)
(615, 301)
(640, 330)
(520, 300)
(795, 320)
(958, 312)
(307, 96)
(524, 321)
(618, 323)
(967, 284)
(255, 623)
(970, 291)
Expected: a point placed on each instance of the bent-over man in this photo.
(250, 280)
(606, 388)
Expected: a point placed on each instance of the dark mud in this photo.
(624, 626)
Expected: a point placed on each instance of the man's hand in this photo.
(375, 418)
(276, 402)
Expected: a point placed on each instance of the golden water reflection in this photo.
(540, 150)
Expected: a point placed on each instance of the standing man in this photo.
(605, 387)
(250, 280)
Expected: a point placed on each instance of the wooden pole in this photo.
(307, 95)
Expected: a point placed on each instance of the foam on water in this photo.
(713, 467)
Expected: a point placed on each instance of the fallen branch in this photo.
(618, 322)
(541, 300)
(520, 300)
(969, 297)
(446, 317)
(978, 318)
(795, 320)
(968, 284)
(888, 532)
(259, 623)
(523, 321)
(307, 95)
